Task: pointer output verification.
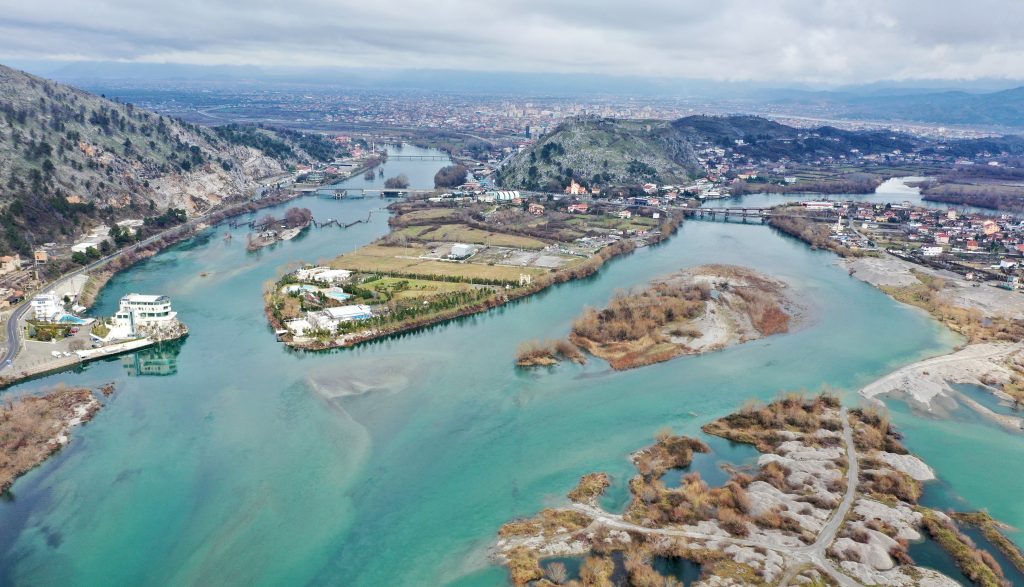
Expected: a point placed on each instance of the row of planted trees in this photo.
(400, 311)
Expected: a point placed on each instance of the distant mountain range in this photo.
(70, 160)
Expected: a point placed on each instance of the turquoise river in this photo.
(395, 463)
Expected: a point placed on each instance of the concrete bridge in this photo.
(339, 193)
(744, 212)
(391, 157)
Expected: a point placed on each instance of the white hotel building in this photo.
(137, 310)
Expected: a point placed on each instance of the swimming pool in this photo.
(69, 319)
(335, 293)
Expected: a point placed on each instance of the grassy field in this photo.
(402, 288)
(372, 258)
(460, 233)
(614, 223)
(429, 214)
(414, 232)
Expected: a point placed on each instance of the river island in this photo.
(832, 499)
(444, 259)
(696, 310)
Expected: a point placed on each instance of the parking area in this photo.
(35, 354)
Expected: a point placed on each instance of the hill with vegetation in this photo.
(601, 151)
(71, 160)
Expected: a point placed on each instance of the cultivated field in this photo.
(460, 233)
(379, 258)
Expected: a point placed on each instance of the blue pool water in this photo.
(69, 319)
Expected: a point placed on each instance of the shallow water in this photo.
(397, 462)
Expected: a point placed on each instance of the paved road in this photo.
(14, 323)
(797, 557)
(816, 553)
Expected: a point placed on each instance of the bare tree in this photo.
(298, 217)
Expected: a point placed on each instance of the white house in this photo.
(461, 251)
(931, 251)
(137, 310)
(352, 312)
(329, 319)
(323, 274)
(47, 307)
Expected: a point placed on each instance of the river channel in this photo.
(228, 459)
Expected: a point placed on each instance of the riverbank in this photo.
(99, 277)
(833, 499)
(987, 317)
(35, 427)
(928, 386)
(46, 358)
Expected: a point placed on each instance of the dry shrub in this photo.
(556, 573)
(765, 311)
(669, 452)
(30, 425)
(759, 424)
(743, 479)
(597, 571)
(900, 555)
(733, 522)
(590, 487)
(547, 352)
(775, 475)
(895, 483)
(860, 535)
(632, 316)
(731, 496)
(523, 566)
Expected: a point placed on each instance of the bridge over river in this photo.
(391, 157)
(744, 212)
(339, 193)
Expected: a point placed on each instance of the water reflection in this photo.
(159, 360)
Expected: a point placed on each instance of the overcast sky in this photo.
(814, 41)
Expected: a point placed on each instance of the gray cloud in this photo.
(790, 40)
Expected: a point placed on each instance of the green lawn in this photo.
(403, 288)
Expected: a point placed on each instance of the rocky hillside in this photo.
(602, 151)
(616, 152)
(70, 159)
